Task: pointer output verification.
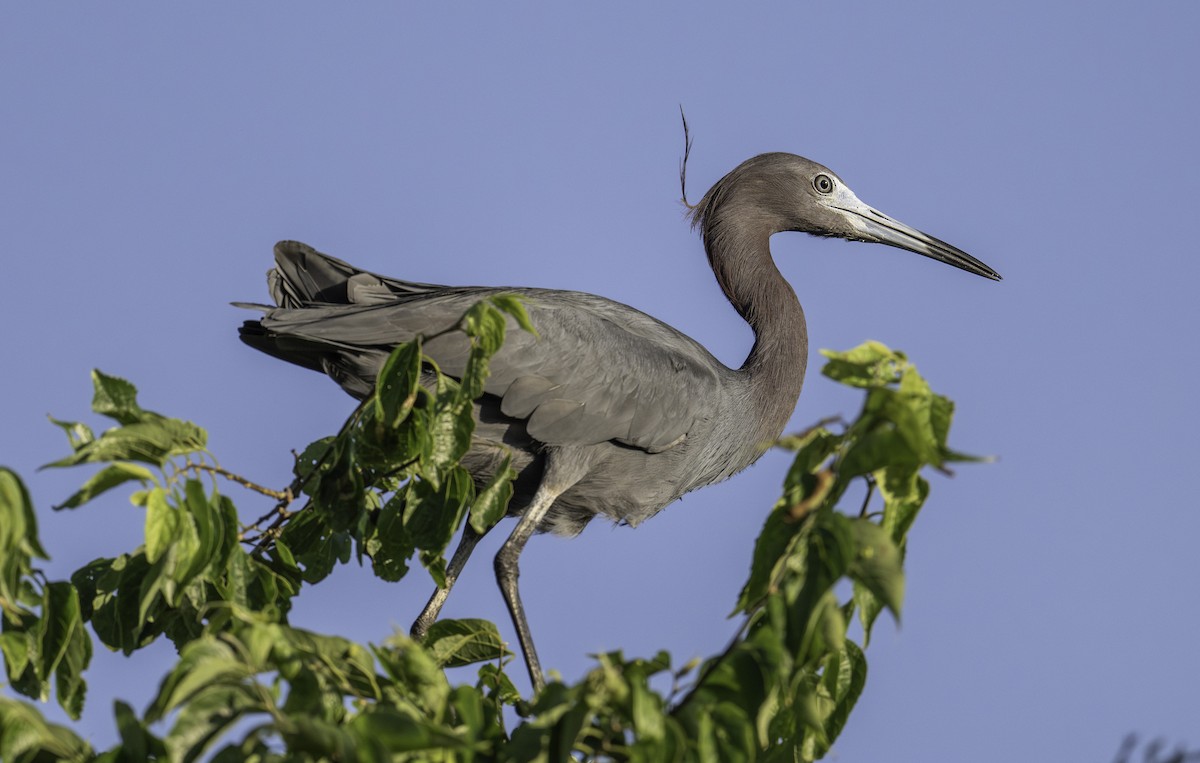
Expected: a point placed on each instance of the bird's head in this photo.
(784, 192)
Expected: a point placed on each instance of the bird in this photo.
(605, 411)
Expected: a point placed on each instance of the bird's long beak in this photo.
(881, 229)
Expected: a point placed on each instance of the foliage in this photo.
(389, 487)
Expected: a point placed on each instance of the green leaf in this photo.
(203, 664)
(830, 699)
(646, 711)
(25, 736)
(491, 503)
(512, 305)
(209, 714)
(415, 672)
(468, 709)
(771, 546)
(162, 524)
(64, 648)
(77, 434)
(493, 678)
(845, 684)
(394, 732)
(310, 457)
(450, 430)
(115, 398)
(877, 563)
(106, 479)
(454, 643)
(485, 324)
(151, 441)
(869, 608)
(397, 384)
(434, 513)
(904, 492)
(137, 743)
(19, 544)
(874, 451)
(870, 365)
(394, 544)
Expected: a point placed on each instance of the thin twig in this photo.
(277, 494)
(867, 499)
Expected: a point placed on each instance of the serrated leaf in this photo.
(454, 643)
(870, 365)
(151, 441)
(450, 428)
(513, 306)
(19, 543)
(468, 709)
(876, 450)
(115, 398)
(78, 434)
(485, 324)
(877, 563)
(771, 546)
(162, 524)
(106, 479)
(904, 492)
(397, 384)
(491, 503)
(389, 557)
(416, 671)
(493, 678)
(829, 699)
(65, 649)
(434, 513)
(869, 608)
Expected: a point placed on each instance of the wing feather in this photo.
(597, 371)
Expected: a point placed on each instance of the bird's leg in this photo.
(428, 615)
(507, 574)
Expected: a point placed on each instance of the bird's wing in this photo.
(597, 371)
(302, 276)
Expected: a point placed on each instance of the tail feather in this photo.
(303, 277)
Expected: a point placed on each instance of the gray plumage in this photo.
(608, 412)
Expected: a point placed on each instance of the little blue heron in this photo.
(607, 411)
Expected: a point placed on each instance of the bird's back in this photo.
(599, 374)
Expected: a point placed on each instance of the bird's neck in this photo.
(774, 369)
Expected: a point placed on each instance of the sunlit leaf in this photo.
(491, 503)
(512, 305)
(454, 643)
(106, 479)
(877, 564)
(150, 441)
(434, 513)
(871, 364)
(115, 398)
(397, 384)
(78, 434)
(486, 325)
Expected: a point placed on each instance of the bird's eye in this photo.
(823, 184)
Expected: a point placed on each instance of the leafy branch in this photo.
(389, 486)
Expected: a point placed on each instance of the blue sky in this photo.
(153, 153)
